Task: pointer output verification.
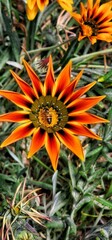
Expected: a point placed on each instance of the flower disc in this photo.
(49, 113)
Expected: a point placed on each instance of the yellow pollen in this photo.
(48, 117)
(87, 30)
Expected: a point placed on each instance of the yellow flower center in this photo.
(48, 117)
(87, 30)
(49, 113)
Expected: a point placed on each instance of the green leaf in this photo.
(14, 39)
(104, 202)
(108, 93)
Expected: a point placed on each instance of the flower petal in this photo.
(42, 4)
(20, 132)
(17, 116)
(49, 80)
(104, 36)
(52, 145)
(37, 85)
(86, 118)
(89, 8)
(83, 11)
(31, 3)
(31, 12)
(103, 11)
(79, 129)
(62, 80)
(77, 17)
(25, 87)
(83, 104)
(78, 93)
(66, 93)
(66, 5)
(72, 142)
(38, 140)
(17, 98)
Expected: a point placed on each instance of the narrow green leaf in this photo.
(104, 202)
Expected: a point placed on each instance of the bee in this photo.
(47, 116)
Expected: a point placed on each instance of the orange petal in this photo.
(96, 6)
(38, 140)
(66, 5)
(77, 17)
(104, 36)
(63, 79)
(105, 24)
(37, 85)
(31, 3)
(31, 13)
(71, 142)
(106, 30)
(103, 11)
(78, 93)
(83, 104)
(78, 129)
(49, 80)
(42, 4)
(89, 8)
(83, 11)
(93, 39)
(86, 118)
(52, 145)
(66, 93)
(20, 132)
(25, 87)
(17, 98)
(17, 116)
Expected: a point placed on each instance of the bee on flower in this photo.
(53, 112)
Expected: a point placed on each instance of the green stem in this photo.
(90, 55)
(49, 48)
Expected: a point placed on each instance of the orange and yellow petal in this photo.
(52, 145)
(86, 118)
(49, 80)
(83, 104)
(104, 36)
(20, 132)
(103, 11)
(31, 12)
(17, 116)
(77, 17)
(42, 4)
(66, 5)
(31, 3)
(83, 12)
(72, 142)
(63, 79)
(81, 130)
(66, 93)
(36, 83)
(78, 93)
(38, 140)
(89, 8)
(25, 87)
(18, 99)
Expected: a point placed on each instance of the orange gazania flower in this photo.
(33, 6)
(95, 21)
(52, 112)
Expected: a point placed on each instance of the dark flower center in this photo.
(92, 24)
(49, 113)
